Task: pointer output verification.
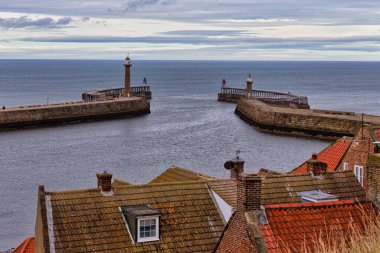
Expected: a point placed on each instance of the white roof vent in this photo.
(316, 196)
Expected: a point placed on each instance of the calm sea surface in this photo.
(187, 126)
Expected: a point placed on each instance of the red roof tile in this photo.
(26, 246)
(298, 226)
(331, 155)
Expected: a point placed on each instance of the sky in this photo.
(326, 30)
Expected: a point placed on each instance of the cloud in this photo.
(85, 19)
(25, 22)
(238, 43)
(138, 4)
(347, 26)
(205, 32)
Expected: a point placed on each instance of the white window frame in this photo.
(345, 166)
(358, 171)
(152, 238)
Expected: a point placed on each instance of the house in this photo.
(332, 156)
(161, 217)
(360, 154)
(310, 207)
(185, 211)
(365, 147)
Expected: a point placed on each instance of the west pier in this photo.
(290, 114)
(95, 105)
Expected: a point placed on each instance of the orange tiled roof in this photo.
(292, 227)
(331, 155)
(27, 246)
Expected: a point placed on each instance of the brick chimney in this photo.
(104, 181)
(316, 167)
(248, 193)
(373, 177)
(236, 166)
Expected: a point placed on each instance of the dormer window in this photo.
(143, 223)
(147, 229)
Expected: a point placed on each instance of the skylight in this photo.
(316, 196)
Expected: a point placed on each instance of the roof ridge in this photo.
(73, 191)
(130, 186)
(306, 174)
(314, 204)
(344, 138)
(24, 245)
(173, 167)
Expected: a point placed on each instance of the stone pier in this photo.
(323, 124)
(43, 115)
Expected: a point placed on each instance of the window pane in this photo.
(148, 228)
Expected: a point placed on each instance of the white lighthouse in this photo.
(127, 79)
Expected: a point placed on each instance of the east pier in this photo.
(290, 114)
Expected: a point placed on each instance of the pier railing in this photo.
(234, 91)
(286, 97)
(265, 95)
(139, 91)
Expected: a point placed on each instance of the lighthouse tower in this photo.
(127, 79)
(249, 85)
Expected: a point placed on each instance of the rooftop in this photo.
(87, 221)
(27, 246)
(284, 188)
(290, 227)
(177, 174)
(331, 155)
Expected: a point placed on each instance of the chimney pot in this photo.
(316, 167)
(236, 166)
(104, 181)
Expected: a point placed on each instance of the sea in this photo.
(187, 127)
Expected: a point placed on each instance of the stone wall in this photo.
(22, 117)
(303, 122)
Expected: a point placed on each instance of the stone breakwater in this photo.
(321, 124)
(33, 116)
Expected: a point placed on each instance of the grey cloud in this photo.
(138, 4)
(25, 22)
(85, 19)
(205, 32)
(321, 44)
(200, 11)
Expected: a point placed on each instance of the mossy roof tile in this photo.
(178, 174)
(86, 221)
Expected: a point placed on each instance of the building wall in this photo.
(357, 154)
(373, 173)
(235, 238)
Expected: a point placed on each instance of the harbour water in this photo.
(187, 126)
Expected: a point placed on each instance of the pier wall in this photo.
(322, 124)
(32, 116)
